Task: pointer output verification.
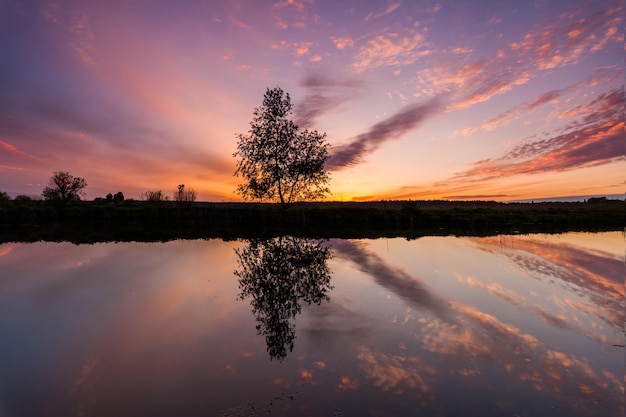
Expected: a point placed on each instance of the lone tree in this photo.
(277, 161)
(63, 186)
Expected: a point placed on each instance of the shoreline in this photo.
(90, 222)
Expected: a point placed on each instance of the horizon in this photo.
(431, 101)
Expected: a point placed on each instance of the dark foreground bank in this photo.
(88, 222)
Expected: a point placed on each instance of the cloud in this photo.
(239, 23)
(325, 92)
(342, 43)
(390, 50)
(547, 46)
(298, 5)
(391, 7)
(391, 128)
(596, 139)
(550, 97)
(298, 48)
(12, 149)
(83, 40)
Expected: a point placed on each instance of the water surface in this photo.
(439, 326)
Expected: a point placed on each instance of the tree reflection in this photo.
(279, 274)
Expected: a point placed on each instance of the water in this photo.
(439, 326)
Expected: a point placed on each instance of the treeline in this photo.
(166, 220)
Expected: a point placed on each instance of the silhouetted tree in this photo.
(278, 274)
(62, 186)
(185, 195)
(155, 196)
(23, 199)
(118, 197)
(109, 197)
(4, 197)
(276, 160)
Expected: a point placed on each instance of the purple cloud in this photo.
(391, 128)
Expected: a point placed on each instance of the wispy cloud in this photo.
(325, 93)
(550, 97)
(391, 7)
(393, 127)
(298, 5)
(239, 23)
(566, 40)
(83, 39)
(391, 49)
(597, 139)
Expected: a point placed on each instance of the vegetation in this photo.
(184, 195)
(276, 160)
(146, 221)
(155, 196)
(64, 187)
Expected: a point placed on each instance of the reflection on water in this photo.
(439, 326)
(277, 275)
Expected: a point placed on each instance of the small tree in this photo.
(155, 196)
(64, 187)
(185, 195)
(276, 160)
(118, 197)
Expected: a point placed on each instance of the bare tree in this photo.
(62, 186)
(185, 195)
(155, 196)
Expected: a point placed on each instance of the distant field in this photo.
(134, 220)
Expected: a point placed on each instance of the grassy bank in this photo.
(88, 222)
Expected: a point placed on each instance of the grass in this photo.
(88, 222)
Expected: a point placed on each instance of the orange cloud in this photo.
(342, 43)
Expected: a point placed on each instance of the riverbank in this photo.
(88, 222)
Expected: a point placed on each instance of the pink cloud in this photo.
(298, 5)
(391, 7)
(391, 128)
(390, 50)
(565, 41)
(342, 43)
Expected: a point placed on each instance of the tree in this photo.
(62, 186)
(155, 196)
(276, 160)
(183, 195)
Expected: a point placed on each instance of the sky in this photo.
(449, 99)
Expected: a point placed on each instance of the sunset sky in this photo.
(449, 99)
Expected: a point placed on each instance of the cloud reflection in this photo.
(396, 280)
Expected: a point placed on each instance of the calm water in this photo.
(438, 326)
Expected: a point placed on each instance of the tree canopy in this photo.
(277, 161)
(63, 186)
